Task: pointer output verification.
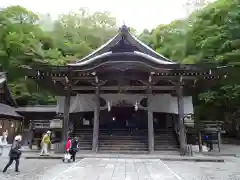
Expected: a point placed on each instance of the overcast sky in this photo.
(138, 14)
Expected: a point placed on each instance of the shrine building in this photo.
(126, 97)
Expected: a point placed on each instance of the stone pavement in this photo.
(123, 169)
(144, 169)
(29, 169)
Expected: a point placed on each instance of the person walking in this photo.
(14, 154)
(67, 155)
(74, 148)
(45, 142)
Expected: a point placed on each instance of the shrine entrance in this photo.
(122, 116)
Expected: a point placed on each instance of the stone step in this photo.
(167, 149)
(123, 137)
(80, 133)
(165, 140)
(85, 148)
(83, 136)
(123, 144)
(122, 149)
(123, 134)
(85, 143)
(122, 152)
(164, 144)
(123, 140)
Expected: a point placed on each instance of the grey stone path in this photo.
(123, 169)
(146, 169)
(115, 169)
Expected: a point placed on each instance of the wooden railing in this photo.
(201, 129)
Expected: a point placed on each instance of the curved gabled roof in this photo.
(126, 57)
(124, 41)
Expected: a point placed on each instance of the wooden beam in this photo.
(155, 77)
(59, 78)
(132, 88)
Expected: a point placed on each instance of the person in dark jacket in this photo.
(74, 148)
(15, 153)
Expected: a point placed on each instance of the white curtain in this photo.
(158, 103)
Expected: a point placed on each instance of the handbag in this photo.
(67, 156)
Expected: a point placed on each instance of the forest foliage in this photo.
(208, 35)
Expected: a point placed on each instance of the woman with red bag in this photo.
(67, 155)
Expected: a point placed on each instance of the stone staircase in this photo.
(85, 136)
(121, 141)
(165, 140)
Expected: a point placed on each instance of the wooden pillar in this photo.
(65, 129)
(150, 126)
(182, 136)
(219, 140)
(96, 121)
(31, 134)
(200, 143)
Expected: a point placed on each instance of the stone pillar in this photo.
(96, 121)
(150, 127)
(182, 136)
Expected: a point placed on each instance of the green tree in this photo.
(27, 40)
(81, 32)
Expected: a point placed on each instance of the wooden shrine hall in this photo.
(125, 72)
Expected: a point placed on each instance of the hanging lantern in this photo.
(66, 79)
(38, 73)
(109, 106)
(96, 79)
(12, 125)
(136, 106)
(181, 79)
(150, 79)
(194, 84)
